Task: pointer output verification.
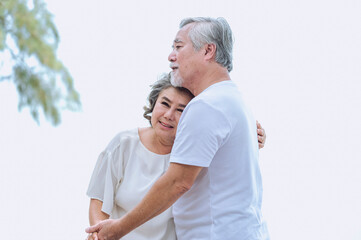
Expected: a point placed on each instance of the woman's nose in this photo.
(169, 114)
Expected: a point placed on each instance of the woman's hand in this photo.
(92, 236)
(95, 216)
(261, 135)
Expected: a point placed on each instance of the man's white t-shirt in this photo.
(217, 131)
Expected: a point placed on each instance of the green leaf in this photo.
(42, 81)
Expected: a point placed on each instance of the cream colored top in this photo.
(123, 174)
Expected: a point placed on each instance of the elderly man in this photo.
(214, 177)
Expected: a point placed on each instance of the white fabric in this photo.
(216, 131)
(123, 174)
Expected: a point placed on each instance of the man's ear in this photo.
(210, 51)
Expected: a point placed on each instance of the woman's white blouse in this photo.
(123, 174)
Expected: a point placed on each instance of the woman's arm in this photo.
(95, 212)
(96, 215)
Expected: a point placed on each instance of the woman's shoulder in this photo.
(130, 134)
(123, 139)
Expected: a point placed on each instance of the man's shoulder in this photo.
(218, 92)
(219, 96)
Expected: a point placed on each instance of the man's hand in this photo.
(261, 134)
(106, 230)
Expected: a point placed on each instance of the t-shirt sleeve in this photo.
(202, 130)
(107, 174)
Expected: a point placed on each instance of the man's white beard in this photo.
(176, 81)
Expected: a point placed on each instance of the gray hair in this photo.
(161, 84)
(210, 30)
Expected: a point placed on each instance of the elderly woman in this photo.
(135, 159)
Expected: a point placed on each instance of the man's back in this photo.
(218, 132)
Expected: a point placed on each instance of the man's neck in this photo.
(208, 79)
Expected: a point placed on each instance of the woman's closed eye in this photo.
(165, 104)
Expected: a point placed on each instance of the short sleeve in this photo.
(202, 130)
(107, 174)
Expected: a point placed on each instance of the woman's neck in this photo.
(152, 142)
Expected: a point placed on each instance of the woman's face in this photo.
(166, 113)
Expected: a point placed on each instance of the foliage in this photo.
(29, 38)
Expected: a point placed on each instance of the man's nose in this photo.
(172, 57)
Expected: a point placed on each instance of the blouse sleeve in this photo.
(107, 174)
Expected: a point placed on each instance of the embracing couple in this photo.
(199, 179)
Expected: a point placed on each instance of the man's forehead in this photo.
(182, 34)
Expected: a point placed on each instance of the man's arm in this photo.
(177, 180)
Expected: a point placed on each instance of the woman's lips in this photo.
(165, 125)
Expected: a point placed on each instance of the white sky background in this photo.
(298, 64)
